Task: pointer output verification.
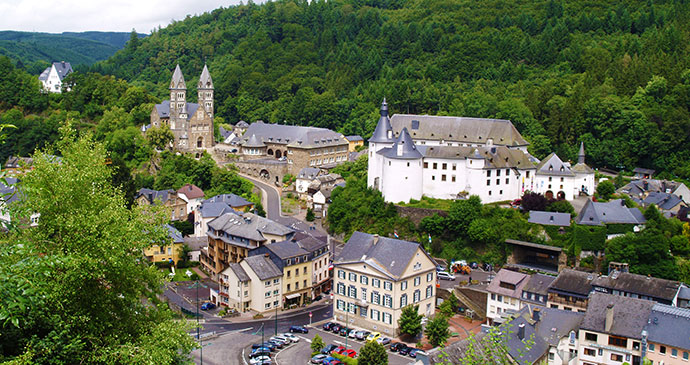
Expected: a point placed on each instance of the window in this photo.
(685, 355)
(498, 181)
(268, 294)
(507, 180)
(305, 269)
(617, 357)
(493, 296)
(403, 285)
(364, 293)
(498, 173)
(387, 318)
(340, 304)
(352, 292)
(403, 300)
(341, 274)
(452, 178)
(268, 305)
(435, 165)
(275, 292)
(590, 352)
(364, 280)
(444, 166)
(388, 301)
(296, 285)
(454, 167)
(375, 315)
(276, 281)
(376, 298)
(591, 336)
(620, 341)
(674, 353)
(416, 296)
(268, 283)
(550, 178)
(429, 291)
(488, 173)
(443, 177)
(662, 349)
(651, 347)
(353, 277)
(488, 182)
(433, 177)
(387, 285)
(417, 280)
(341, 288)
(376, 282)
(429, 277)
(426, 165)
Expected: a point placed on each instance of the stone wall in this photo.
(417, 214)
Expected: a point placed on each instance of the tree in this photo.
(533, 201)
(160, 137)
(437, 330)
(450, 305)
(410, 322)
(373, 353)
(561, 206)
(310, 215)
(605, 189)
(317, 344)
(92, 298)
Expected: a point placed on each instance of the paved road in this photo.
(480, 275)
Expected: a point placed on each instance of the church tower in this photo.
(178, 100)
(205, 89)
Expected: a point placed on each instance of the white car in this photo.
(261, 360)
(282, 339)
(353, 334)
(290, 337)
(444, 275)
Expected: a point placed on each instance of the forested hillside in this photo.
(36, 50)
(612, 74)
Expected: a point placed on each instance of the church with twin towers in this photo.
(190, 123)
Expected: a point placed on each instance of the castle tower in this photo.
(178, 100)
(205, 92)
(401, 166)
(382, 138)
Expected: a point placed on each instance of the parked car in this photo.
(291, 337)
(345, 331)
(260, 360)
(339, 350)
(404, 350)
(350, 353)
(383, 340)
(444, 275)
(279, 338)
(328, 349)
(336, 328)
(271, 346)
(327, 326)
(208, 305)
(396, 346)
(261, 351)
(373, 336)
(362, 335)
(352, 334)
(300, 329)
(276, 344)
(440, 268)
(328, 360)
(413, 352)
(318, 358)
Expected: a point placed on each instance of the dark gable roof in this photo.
(524, 351)
(210, 209)
(292, 135)
(664, 201)
(232, 200)
(630, 315)
(286, 249)
(493, 156)
(403, 148)
(390, 255)
(308, 173)
(174, 234)
(224, 132)
(354, 138)
(248, 225)
(539, 283)
(191, 191)
(153, 195)
(242, 124)
(641, 170)
(549, 218)
(508, 276)
(615, 211)
(263, 267)
(239, 272)
(196, 243)
(669, 326)
(459, 129)
(163, 109)
(63, 69)
(553, 165)
(640, 284)
(572, 281)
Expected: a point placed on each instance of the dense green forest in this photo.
(36, 50)
(612, 74)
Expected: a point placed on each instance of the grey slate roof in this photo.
(641, 170)
(232, 200)
(239, 272)
(574, 282)
(354, 138)
(637, 187)
(263, 267)
(286, 249)
(553, 165)
(163, 109)
(205, 81)
(224, 132)
(174, 234)
(493, 156)
(669, 326)
(153, 195)
(63, 69)
(249, 226)
(524, 351)
(684, 293)
(640, 284)
(242, 124)
(664, 201)
(629, 315)
(549, 218)
(539, 283)
(211, 209)
(308, 173)
(511, 277)
(177, 81)
(614, 211)
(196, 243)
(459, 129)
(403, 148)
(292, 135)
(383, 126)
(389, 255)
(253, 141)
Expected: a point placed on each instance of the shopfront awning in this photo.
(292, 296)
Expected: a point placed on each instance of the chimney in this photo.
(536, 314)
(609, 317)
(521, 331)
(376, 239)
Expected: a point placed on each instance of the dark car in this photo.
(276, 344)
(327, 350)
(271, 346)
(327, 326)
(300, 329)
(345, 331)
(404, 350)
(336, 328)
(207, 306)
(260, 351)
(413, 352)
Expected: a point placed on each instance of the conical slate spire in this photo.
(205, 81)
(581, 155)
(383, 132)
(177, 79)
(404, 147)
(254, 142)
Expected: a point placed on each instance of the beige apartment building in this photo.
(376, 277)
(253, 284)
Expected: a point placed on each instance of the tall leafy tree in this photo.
(373, 353)
(410, 321)
(437, 330)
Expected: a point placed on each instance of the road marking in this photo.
(304, 338)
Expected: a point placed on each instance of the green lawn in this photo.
(430, 203)
(289, 205)
(179, 274)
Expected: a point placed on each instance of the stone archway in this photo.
(279, 154)
(264, 174)
(200, 142)
(560, 195)
(269, 152)
(548, 194)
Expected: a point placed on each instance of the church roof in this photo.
(553, 165)
(177, 79)
(253, 142)
(382, 127)
(163, 109)
(205, 81)
(459, 129)
(403, 148)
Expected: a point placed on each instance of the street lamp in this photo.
(201, 346)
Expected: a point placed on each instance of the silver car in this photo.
(383, 340)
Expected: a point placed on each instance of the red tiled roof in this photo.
(191, 191)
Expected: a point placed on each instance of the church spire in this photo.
(581, 155)
(205, 81)
(177, 79)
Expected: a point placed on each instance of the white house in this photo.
(52, 77)
(191, 194)
(555, 179)
(304, 178)
(504, 293)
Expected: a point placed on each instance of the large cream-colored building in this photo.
(376, 277)
(253, 284)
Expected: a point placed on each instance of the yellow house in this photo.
(376, 277)
(353, 142)
(169, 252)
(296, 266)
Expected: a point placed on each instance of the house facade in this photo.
(191, 194)
(505, 292)
(668, 335)
(168, 198)
(190, 123)
(376, 277)
(51, 78)
(169, 251)
(571, 290)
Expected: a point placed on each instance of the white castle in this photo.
(411, 156)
